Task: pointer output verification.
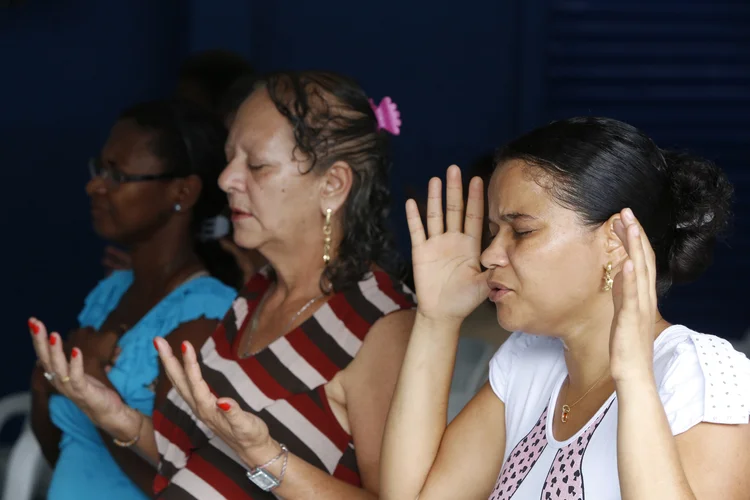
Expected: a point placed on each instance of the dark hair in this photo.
(190, 141)
(333, 121)
(214, 71)
(236, 94)
(599, 166)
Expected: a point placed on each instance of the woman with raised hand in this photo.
(289, 396)
(595, 395)
(153, 189)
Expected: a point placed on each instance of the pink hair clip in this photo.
(388, 115)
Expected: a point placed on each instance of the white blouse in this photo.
(700, 378)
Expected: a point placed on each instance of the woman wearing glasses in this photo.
(154, 191)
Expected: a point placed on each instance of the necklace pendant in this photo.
(565, 413)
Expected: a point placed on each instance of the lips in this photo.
(498, 290)
(238, 214)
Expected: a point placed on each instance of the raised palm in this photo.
(448, 277)
(100, 402)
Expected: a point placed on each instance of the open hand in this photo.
(448, 277)
(241, 430)
(634, 296)
(98, 401)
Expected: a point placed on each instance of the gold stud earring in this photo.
(327, 237)
(608, 281)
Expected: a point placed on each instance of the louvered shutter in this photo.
(681, 72)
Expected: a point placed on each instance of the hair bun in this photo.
(702, 198)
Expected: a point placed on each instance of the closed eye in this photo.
(521, 234)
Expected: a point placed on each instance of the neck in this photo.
(163, 257)
(587, 346)
(297, 273)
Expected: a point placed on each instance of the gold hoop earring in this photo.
(327, 237)
(608, 281)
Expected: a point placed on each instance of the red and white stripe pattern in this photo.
(283, 384)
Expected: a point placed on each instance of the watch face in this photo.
(263, 479)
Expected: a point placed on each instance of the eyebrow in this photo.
(516, 216)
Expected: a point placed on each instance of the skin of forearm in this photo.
(647, 458)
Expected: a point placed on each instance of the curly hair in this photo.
(333, 121)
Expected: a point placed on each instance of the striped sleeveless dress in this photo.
(283, 384)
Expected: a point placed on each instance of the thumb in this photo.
(233, 413)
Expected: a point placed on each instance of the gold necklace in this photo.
(566, 408)
(255, 320)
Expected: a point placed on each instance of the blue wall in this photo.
(68, 68)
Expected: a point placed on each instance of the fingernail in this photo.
(629, 266)
(224, 406)
(52, 339)
(183, 346)
(628, 214)
(156, 345)
(75, 352)
(33, 326)
(636, 230)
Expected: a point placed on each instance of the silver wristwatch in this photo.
(263, 479)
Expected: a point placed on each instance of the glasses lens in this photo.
(97, 169)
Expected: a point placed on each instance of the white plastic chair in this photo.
(26, 474)
(470, 372)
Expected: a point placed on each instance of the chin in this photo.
(247, 239)
(513, 320)
(106, 231)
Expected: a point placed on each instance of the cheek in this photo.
(555, 276)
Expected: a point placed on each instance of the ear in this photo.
(188, 191)
(613, 246)
(335, 185)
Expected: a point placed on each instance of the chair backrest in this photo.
(470, 372)
(27, 474)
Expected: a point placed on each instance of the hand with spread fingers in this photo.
(241, 430)
(448, 277)
(100, 403)
(634, 296)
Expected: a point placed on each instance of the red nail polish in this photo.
(224, 406)
(156, 345)
(75, 352)
(52, 339)
(183, 347)
(33, 327)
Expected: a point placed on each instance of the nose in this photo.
(495, 255)
(232, 178)
(96, 185)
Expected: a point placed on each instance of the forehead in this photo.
(516, 187)
(259, 125)
(128, 139)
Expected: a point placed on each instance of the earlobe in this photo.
(189, 191)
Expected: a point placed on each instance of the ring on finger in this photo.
(50, 376)
(65, 379)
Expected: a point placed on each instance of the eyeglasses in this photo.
(114, 177)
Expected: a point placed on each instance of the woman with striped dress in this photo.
(289, 395)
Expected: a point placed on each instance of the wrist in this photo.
(636, 383)
(261, 453)
(436, 323)
(126, 426)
